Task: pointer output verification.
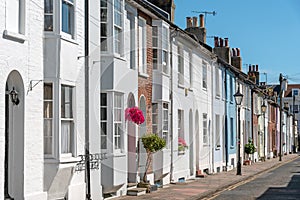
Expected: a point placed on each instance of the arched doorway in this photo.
(142, 132)
(132, 157)
(191, 143)
(14, 137)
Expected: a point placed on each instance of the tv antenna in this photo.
(206, 13)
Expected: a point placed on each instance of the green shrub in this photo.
(249, 148)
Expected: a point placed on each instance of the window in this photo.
(142, 46)
(130, 16)
(103, 120)
(191, 69)
(204, 75)
(155, 118)
(217, 77)
(231, 132)
(155, 46)
(180, 66)
(118, 26)
(180, 124)
(67, 124)
(165, 43)
(48, 15)
(15, 16)
(67, 19)
(231, 89)
(48, 118)
(205, 137)
(165, 129)
(218, 131)
(103, 18)
(118, 129)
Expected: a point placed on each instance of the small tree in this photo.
(152, 143)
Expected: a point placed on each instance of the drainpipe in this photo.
(86, 80)
(226, 121)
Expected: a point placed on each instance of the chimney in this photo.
(201, 21)
(236, 59)
(198, 31)
(253, 74)
(188, 22)
(168, 6)
(222, 51)
(195, 22)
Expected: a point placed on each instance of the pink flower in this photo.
(181, 142)
(135, 115)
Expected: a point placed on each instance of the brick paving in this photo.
(204, 187)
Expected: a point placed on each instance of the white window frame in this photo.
(205, 124)
(191, 69)
(70, 148)
(48, 116)
(48, 15)
(181, 123)
(218, 133)
(142, 35)
(165, 123)
(104, 120)
(118, 27)
(118, 125)
(70, 33)
(217, 77)
(15, 16)
(180, 65)
(155, 47)
(155, 120)
(204, 75)
(165, 50)
(104, 25)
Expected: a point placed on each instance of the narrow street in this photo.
(280, 183)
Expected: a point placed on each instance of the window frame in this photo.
(165, 123)
(70, 20)
(103, 121)
(205, 128)
(69, 118)
(142, 41)
(204, 76)
(50, 100)
(104, 24)
(118, 131)
(180, 58)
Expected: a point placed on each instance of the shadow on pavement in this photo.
(292, 191)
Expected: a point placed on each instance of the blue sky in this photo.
(266, 31)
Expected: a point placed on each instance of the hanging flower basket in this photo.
(135, 115)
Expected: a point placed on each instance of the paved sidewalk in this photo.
(204, 187)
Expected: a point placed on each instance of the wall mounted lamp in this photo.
(14, 96)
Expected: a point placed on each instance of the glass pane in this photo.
(154, 42)
(155, 31)
(103, 99)
(47, 127)
(48, 91)
(103, 30)
(118, 101)
(118, 116)
(103, 15)
(154, 119)
(103, 114)
(154, 129)
(103, 44)
(103, 3)
(47, 145)
(66, 132)
(103, 142)
(48, 6)
(154, 108)
(48, 109)
(103, 128)
(48, 23)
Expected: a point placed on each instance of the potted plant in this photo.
(181, 145)
(152, 143)
(249, 149)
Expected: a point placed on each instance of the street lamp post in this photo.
(238, 100)
(263, 110)
(282, 82)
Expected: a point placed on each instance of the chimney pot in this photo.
(188, 22)
(195, 21)
(249, 68)
(221, 42)
(233, 52)
(238, 52)
(216, 39)
(257, 68)
(202, 21)
(226, 42)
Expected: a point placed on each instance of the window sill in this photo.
(141, 74)
(14, 36)
(181, 86)
(68, 38)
